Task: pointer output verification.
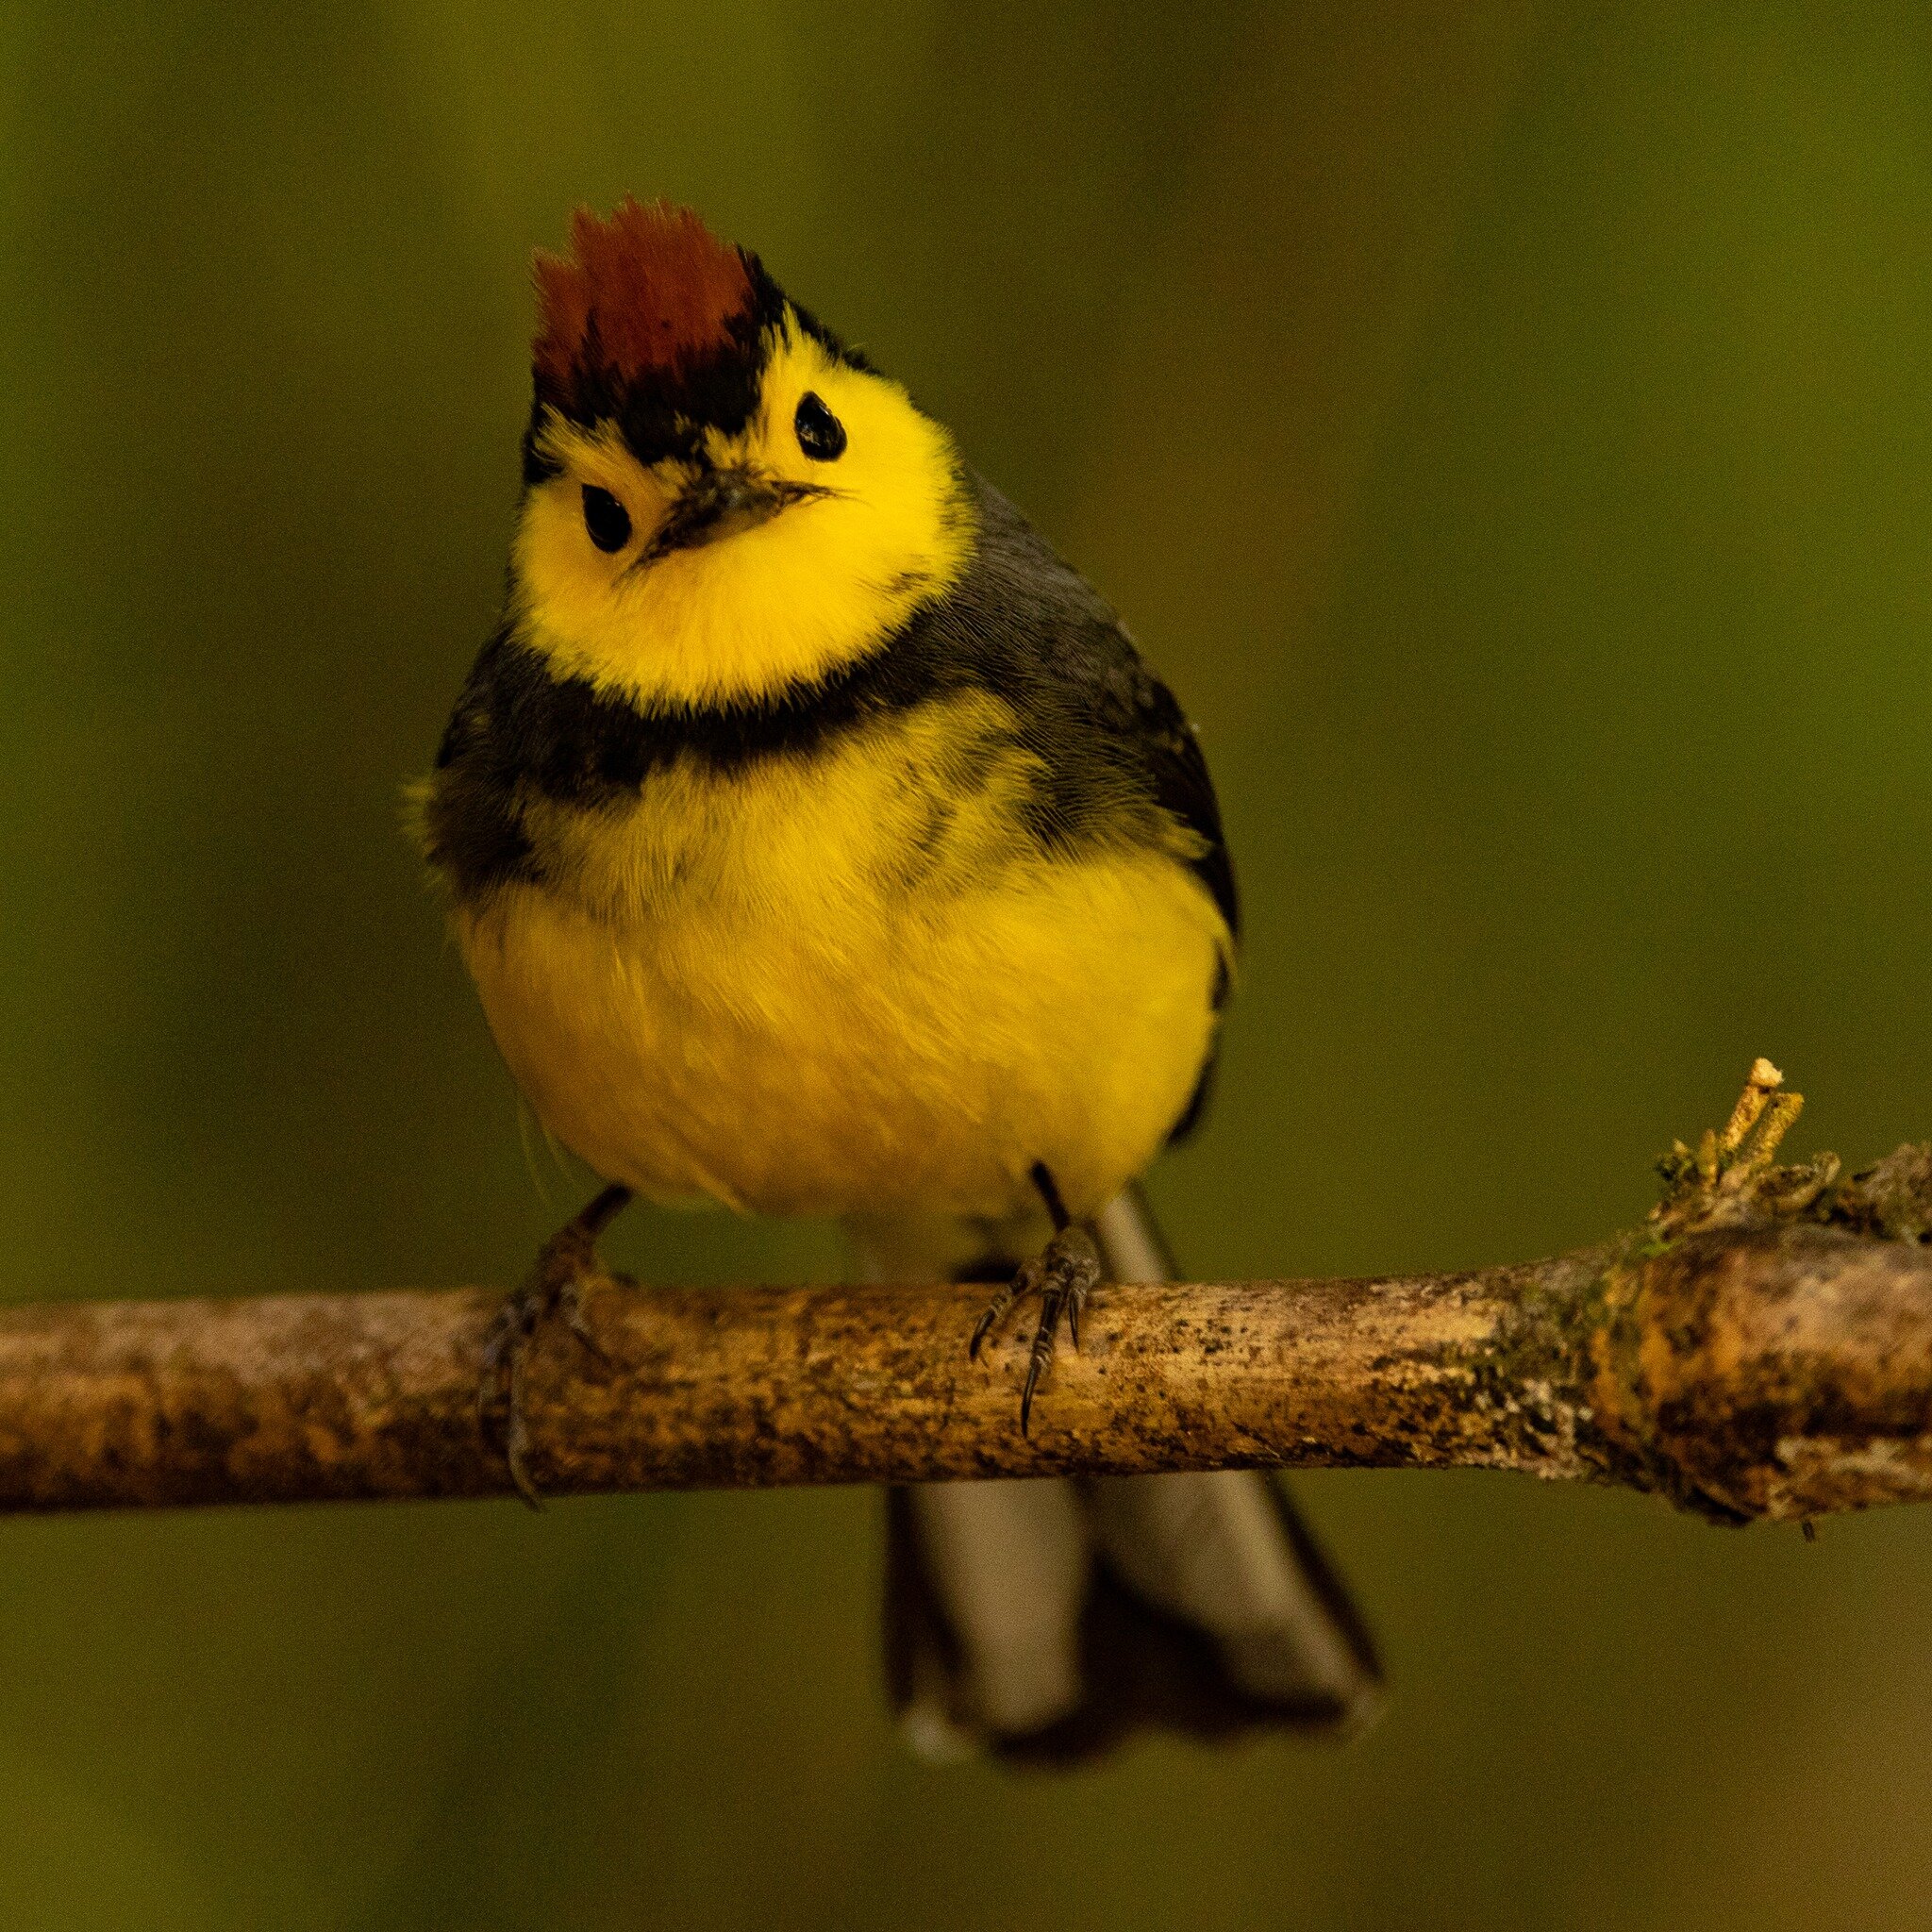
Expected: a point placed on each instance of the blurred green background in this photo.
(1507, 424)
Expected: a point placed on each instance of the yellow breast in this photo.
(850, 982)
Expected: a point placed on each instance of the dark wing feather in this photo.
(1178, 771)
(1103, 720)
(1105, 726)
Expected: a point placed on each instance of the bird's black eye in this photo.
(820, 435)
(607, 519)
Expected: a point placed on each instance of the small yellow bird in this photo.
(820, 844)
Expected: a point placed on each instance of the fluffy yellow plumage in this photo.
(747, 999)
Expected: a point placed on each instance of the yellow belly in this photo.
(922, 1063)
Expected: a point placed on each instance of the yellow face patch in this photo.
(789, 600)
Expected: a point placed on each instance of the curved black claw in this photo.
(565, 1265)
(1063, 1275)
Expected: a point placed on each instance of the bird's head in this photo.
(722, 501)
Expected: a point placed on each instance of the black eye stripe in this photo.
(820, 435)
(605, 519)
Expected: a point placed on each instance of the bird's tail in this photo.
(1045, 1619)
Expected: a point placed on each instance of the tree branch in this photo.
(1762, 1347)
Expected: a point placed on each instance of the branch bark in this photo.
(1762, 1348)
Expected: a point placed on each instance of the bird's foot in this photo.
(1063, 1275)
(566, 1267)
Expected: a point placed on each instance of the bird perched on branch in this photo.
(820, 844)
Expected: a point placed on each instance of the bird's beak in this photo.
(723, 503)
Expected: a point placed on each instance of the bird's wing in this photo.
(1105, 725)
(1178, 771)
(1042, 632)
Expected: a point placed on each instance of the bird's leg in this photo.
(1063, 1275)
(555, 1286)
